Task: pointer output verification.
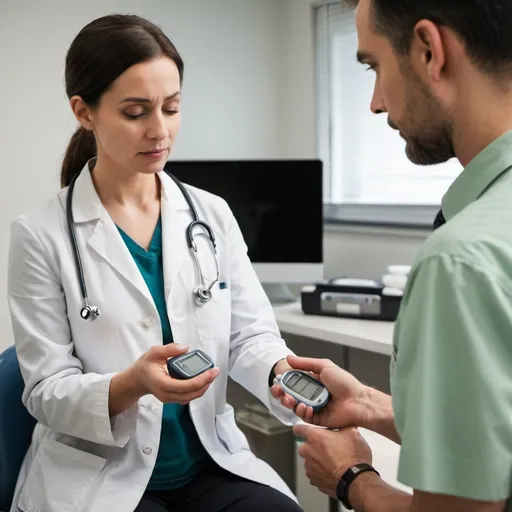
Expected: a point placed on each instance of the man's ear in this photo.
(427, 51)
(82, 112)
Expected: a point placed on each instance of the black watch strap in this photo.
(348, 477)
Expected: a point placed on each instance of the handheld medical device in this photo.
(304, 388)
(189, 365)
(202, 293)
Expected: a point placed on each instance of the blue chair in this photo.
(16, 426)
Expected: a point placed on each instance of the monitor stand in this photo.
(279, 293)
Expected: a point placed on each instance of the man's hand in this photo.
(352, 404)
(328, 454)
(347, 405)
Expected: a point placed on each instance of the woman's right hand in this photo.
(151, 376)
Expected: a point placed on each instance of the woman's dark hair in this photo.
(101, 52)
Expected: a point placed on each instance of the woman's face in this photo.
(138, 118)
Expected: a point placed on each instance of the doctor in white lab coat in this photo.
(97, 388)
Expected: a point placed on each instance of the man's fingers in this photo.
(302, 451)
(302, 430)
(309, 415)
(277, 391)
(309, 364)
(288, 401)
(301, 411)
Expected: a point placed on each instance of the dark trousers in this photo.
(216, 490)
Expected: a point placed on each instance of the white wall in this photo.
(231, 89)
(297, 106)
(348, 251)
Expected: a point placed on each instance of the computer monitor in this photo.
(278, 205)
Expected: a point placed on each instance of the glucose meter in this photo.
(189, 365)
(304, 388)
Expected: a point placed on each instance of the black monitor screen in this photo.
(278, 204)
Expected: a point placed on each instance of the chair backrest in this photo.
(16, 425)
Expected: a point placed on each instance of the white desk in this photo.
(366, 335)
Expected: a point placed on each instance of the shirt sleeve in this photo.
(452, 381)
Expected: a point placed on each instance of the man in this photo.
(444, 77)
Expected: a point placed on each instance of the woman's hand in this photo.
(150, 376)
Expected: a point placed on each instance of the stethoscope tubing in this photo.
(202, 294)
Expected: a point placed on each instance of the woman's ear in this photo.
(82, 112)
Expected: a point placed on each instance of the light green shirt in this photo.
(451, 370)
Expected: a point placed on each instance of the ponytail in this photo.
(81, 148)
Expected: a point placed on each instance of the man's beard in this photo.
(425, 127)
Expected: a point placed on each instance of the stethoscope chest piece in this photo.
(89, 312)
(202, 295)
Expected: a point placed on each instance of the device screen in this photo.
(303, 386)
(193, 364)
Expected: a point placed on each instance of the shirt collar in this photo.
(473, 181)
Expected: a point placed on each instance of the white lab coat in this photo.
(80, 460)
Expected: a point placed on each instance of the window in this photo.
(368, 177)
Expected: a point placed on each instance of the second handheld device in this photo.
(304, 388)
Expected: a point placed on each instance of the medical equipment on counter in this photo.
(304, 388)
(352, 298)
(202, 293)
(189, 365)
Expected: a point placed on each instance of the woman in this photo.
(115, 431)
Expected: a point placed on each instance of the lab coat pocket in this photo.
(230, 435)
(214, 317)
(59, 478)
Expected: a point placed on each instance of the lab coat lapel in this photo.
(107, 242)
(105, 238)
(175, 219)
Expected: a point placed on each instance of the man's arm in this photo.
(368, 493)
(328, 454)
(452, 357)
(351, 404)
(379, 417)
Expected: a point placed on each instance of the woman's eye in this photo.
(133, 114)
(137, 113)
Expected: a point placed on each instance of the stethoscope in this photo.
(202, 293)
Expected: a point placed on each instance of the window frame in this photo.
(407, 216)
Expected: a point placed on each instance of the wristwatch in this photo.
(348, 477)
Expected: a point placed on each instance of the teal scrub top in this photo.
(181, 453)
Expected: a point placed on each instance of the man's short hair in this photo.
(484, 26)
